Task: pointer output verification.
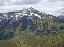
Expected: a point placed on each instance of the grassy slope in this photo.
(8, 43)
(35, 41)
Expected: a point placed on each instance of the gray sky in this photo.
(48, 6)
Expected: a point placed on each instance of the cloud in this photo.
(30, 1)
(18, 2)
(1, 2)
(55, 0)
(47, 6)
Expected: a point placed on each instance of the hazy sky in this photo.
(48, 6)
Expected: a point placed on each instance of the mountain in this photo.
(61, 16)
(24, 15)
(28, 20)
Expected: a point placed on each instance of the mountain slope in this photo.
(26, 20)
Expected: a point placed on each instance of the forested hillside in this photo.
(31, 28)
